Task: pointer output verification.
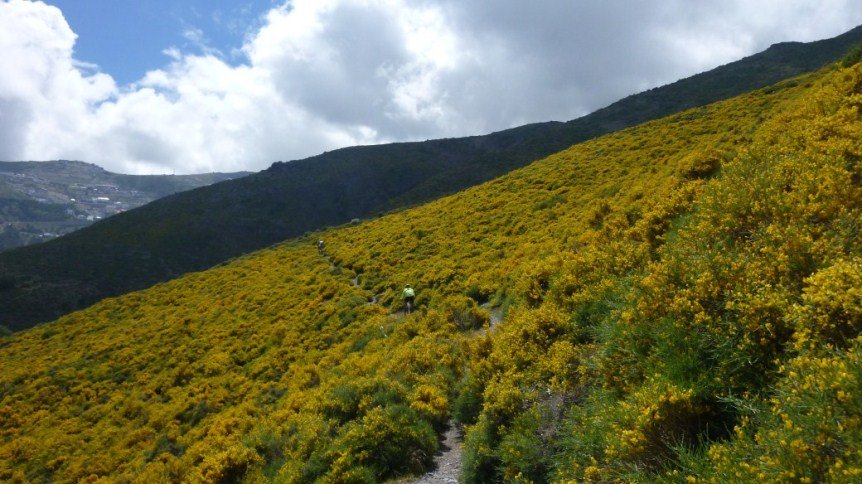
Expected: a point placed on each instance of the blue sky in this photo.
(246, 83)
(126, 38)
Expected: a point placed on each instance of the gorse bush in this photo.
(809, 430)
(682, 301)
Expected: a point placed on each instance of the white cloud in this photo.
(42, 89)
(321, 74)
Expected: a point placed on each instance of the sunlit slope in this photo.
(622, 263)
(730, 353)
(271, 359)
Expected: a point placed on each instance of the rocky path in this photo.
(447, 462)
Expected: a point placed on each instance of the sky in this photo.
(159, 86)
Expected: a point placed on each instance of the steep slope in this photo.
(662, 285)
(41, 200)
(203, 227)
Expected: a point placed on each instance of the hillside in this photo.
(42, 200)
(682, 302)
(200, 228)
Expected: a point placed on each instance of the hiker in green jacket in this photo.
(407, 295)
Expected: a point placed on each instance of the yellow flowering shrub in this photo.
(633, 436)
(831, 309)
(653, 419)
(812, 431)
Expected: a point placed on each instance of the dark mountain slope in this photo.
(197, 229)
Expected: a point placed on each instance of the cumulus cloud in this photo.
(321, 74)
(41, 87)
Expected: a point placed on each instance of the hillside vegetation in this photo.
(682, 303)
(200, 228)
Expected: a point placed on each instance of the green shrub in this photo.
(810, 431)
(852, 57)
(468, 403)
(464, 313)
(524, 452)
(269, 444)
(389, 441)
(699, 164)
(479, 460)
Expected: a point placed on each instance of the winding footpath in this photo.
(447, 462)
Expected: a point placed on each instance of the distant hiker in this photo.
(320, 246)
(408, 294)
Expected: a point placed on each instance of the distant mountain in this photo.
(42, 200)
(196, 229)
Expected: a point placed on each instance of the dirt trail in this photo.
(447, 462)
(353, 281)
(496, 315)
